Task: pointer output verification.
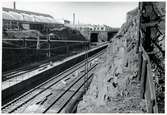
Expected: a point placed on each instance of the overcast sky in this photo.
(109, 13)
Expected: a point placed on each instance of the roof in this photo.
(26, 12)
(20, 15)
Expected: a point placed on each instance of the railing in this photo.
(38, 50)
(45, 40)
(146, 79)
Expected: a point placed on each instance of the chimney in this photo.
(73, 18)
(14, 5)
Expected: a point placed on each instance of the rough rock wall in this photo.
(114, 87)
(153, 32)
(153, 40)
(127, 37)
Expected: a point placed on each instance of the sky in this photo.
(109, 13)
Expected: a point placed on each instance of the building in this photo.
(14, 19)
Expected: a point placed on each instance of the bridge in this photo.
(96, 33)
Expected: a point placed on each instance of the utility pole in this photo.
(49, 45)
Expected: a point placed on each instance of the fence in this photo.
(146, 79)
(19, 52)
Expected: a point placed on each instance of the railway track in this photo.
(21, 71)
(20, 104)
(27, 68)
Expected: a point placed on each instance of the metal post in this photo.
(38, 44)
(25, 50)
(87, 61)
(86, 66)
(85, 69)
(37, 47)
(49, 47)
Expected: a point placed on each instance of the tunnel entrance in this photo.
(110, 35)
(94, 37)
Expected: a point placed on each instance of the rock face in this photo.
(154, 29)
(114, 87)
(153, 40)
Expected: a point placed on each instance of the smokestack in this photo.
(73, 18)
(14, 5)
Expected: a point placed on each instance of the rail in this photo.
(45, 40)
(10, 107)
(146, 79)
